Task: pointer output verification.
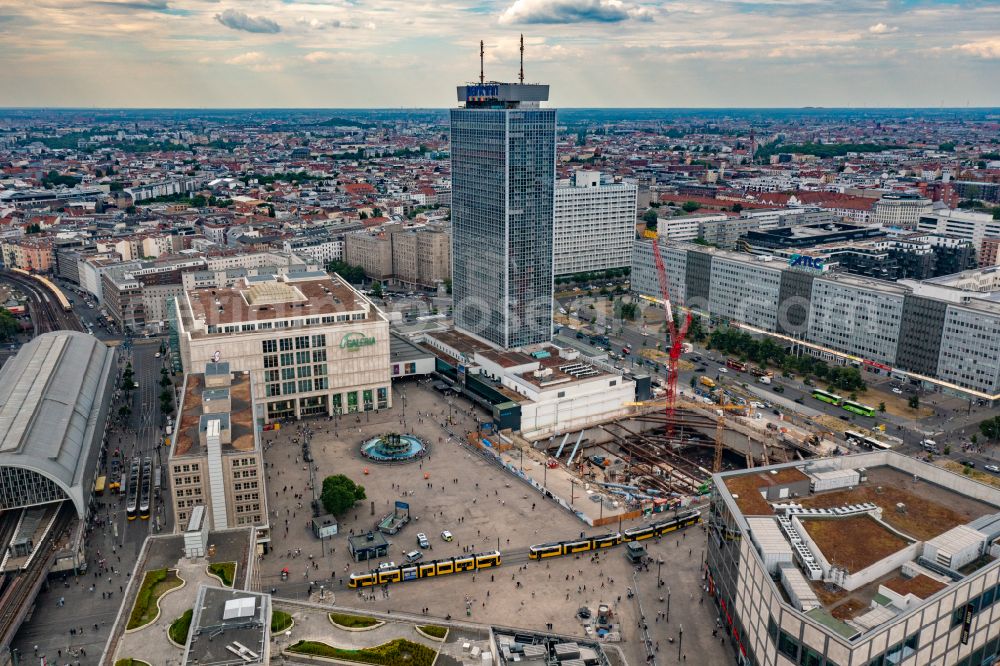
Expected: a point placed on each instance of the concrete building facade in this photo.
(312, 342)
(594, 224)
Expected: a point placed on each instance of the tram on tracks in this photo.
(599, 542)
(144, 490)
(48, 284)
(132, 492)
(443, 567)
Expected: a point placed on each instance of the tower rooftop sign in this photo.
(502, 94)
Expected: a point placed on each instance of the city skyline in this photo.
(596, 53)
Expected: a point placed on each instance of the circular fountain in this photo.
(393, 447)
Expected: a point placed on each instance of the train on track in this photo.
(48, 284)
(443, 567)
(584, 544)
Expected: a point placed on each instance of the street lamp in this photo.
(668, 604)
(659, 566)
(680, 640)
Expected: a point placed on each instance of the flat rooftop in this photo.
(229, 627)
(892, 503)
(280, 297)
(186, 438)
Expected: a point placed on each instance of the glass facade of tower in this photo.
(503, 181)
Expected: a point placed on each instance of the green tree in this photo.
(914, 401)
(649, 217)
(353, 274)
(737, 207)
(991, 428)
(8, 324)
(340, 494)
(377, 289)
(881, 407)
(447, 285)
(689, 206)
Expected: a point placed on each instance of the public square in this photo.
(483, 507)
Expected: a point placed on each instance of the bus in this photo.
(739, 366)
(864, 441)
(99, 485)
(831, 398)
(858, 408)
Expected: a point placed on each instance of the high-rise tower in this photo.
(503, 148)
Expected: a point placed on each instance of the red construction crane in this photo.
(675, 339)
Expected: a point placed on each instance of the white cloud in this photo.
(254, 60)
(988, 49)
(881, 29)
(319, 56)
(573, 11)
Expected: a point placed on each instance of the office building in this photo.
(503, 182)
(962, 223)
(311, 342)
(859, 560)
(594, 224)
(215, 456)
(899, 210)
(941, 331)
(410, 255)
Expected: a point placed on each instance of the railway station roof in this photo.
(54, 398)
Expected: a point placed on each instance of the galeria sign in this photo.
(353, 341)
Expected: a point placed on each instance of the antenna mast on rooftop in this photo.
(520, 76)
(482, 53)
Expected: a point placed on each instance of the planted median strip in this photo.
(155, 584)
(393, 653)
(354, 621)
(180, 627)
(224, 571)
(433, 631)
(280, 621)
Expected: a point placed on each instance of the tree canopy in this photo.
(340, 494)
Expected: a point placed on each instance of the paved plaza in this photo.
(455, 489)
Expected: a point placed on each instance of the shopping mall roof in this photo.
(54, 398)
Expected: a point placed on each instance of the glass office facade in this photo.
(503, 186)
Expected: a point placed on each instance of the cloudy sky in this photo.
(411, 53)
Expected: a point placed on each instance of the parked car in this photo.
(969, 463)
(446, 535)
(992, 468)
(897, 390)
(386, 565)
(422, 540)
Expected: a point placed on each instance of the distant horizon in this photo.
(806, 107)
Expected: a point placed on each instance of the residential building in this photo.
(215, 454)
(901, 210)
(788, 543)
(421, 256)
(28, 253)
(503, 182)
(594, 224)
(989, 252)
(312, 342)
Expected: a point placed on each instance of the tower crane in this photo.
(674, 342)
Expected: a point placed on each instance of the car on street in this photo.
(723, 369)
(968, 463)
(422, 540)
(413, 556)
(799, 400)
(897, 390)
(386, 565)
(446, 535)
(778, 389)
(992, 468)
(157, 354)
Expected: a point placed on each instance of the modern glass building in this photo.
(503, 180)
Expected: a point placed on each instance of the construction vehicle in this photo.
(706, 381)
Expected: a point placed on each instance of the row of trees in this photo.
(609, 274)
(767, 353)
(8, 325)
(353, 274)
